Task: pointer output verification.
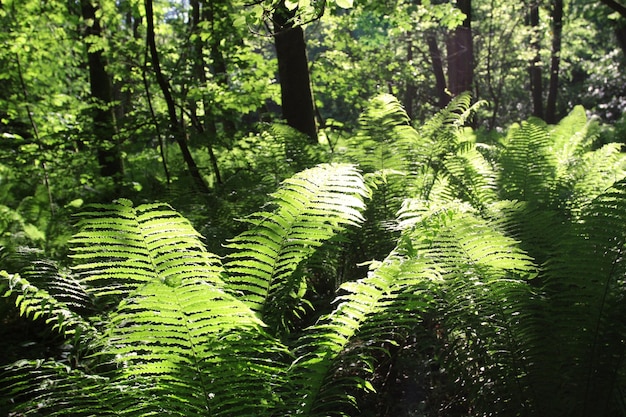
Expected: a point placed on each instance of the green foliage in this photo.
(504, 278)
(310, 208)
(151, 260)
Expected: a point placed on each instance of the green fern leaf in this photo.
(584, 286)
(120, 248)
(194, 348)
(329, 363)
(528, 165)
(36, 303)
(311, 208)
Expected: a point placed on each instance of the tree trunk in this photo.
(175, 127)
(207, 125)
(411, 90)
(461, 53)
(293, 74)
(437, 64)
(555, 60)
(620, 34)
(108, 152)
(534, 70)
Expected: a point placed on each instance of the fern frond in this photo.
(120, 247)
(528, 166)
(455, 236)
(44, 387)
(333, 354)
(451, 117)
(584, 283)
(37, 303)
(384, 131)
(311, 207)
(472, 177)
(61, 284)
(192, 349)
(569, 137)
(592, 174)
(449, 262)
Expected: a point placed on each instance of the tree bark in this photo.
(174, 125)
(555, 60)
(293, 74)
(461, 53)
(534, 69)
(207, 125)
(437, 64)
(108, 152)
(411, 90)
(620, 34)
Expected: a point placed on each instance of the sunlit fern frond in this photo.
(176, 344)
(591, 174)
(478, 304)
(333, 357)
(441, 137)
(120, 247)
(189, 348)
(381, 140)
(528, 165)
(37, 303)
(569, 137)
(449, 264)
(449, 119)
(310, 208)
(453, 234)
(471, 176)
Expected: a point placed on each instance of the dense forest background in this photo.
(374, 208)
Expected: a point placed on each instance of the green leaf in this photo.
(345, 4)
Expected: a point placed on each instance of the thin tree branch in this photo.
(619, 8)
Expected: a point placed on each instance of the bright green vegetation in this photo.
(503, 293)
(170, 247)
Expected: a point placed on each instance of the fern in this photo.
(121, 248)
(529, 169)
(333, 353)
(37, 303)
(311, 208)
(584, 282)
(165, 336)
(519, 301)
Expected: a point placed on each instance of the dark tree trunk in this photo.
(555, 60)
(534, 70)
(108, 152)
(293, 74)
(207, 125)
(175, 126)
(411, 90)
(443, 98)
(620, 34)
(461, 53)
